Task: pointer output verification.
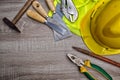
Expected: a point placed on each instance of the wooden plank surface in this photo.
(34, 55)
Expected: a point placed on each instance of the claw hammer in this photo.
(12, 23)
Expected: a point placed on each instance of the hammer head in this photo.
(10, 24)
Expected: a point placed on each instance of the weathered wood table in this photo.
(34, 55)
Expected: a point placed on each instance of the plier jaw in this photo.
(76, 60)
(73, 17)
(69, 10)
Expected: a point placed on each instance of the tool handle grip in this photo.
(38, 7)
(98, 69)
(86, 73)
(101, 71)
(22, 11)
(51, 5)
(36, 16)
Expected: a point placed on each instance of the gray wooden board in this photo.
(34, 55)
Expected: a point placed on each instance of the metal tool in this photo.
(38, 7)
(58, 18)
(79, 62)
(51, 23)
(18, 16)
(54, 25)
(69, 10)
(53, 9)
(58, 10)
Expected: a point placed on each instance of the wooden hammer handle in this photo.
(38, 7)
(22, 11)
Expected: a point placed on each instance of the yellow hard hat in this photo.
(101, 28)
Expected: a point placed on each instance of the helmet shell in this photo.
(101, 28)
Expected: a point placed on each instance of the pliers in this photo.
(69, 10)
(79, 62)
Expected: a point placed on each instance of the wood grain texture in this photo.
(34, 55)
